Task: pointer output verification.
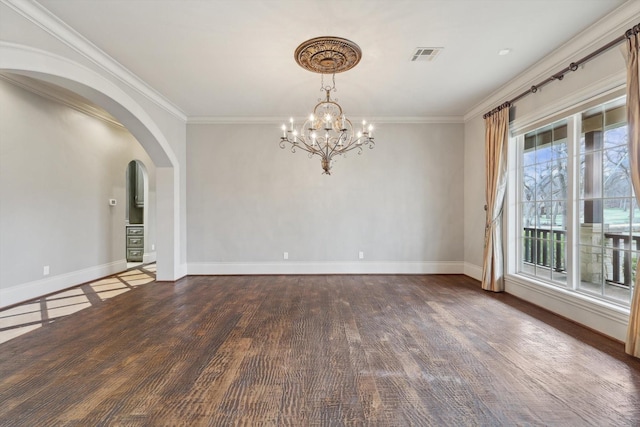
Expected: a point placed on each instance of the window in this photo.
(584, 237)
(544, 202)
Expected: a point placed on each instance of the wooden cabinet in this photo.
(135, 243)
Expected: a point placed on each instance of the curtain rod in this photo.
(572, 67)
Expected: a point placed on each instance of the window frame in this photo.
(513, 207)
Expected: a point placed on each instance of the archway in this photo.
(42, 65)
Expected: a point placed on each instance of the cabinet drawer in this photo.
(135, 231)
(135, 242)
(134, 254)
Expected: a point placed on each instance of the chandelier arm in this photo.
(303, 147)
(333, 149)
(309, 148)
(351, 145)
(354, 145)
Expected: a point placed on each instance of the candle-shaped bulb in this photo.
(291, 121)
(284, 130)
(370, 130)
(359, 134)
(313, 138)
(327, 118)
(295, 133)
(311, 118)
(343, 122)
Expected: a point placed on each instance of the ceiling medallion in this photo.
(328, 55)
(327, 132)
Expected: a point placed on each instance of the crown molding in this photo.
(596, 35)
(43, 18)
(213, 120)
(60, 96)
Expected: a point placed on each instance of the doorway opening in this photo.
(136, 213)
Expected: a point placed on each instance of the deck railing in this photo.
(545, 247)
(621, 245)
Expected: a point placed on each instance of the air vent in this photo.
(425, 53)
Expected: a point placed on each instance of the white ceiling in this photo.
(234, 58)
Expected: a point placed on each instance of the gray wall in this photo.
(249, 201)
(474, 191)
(58, 169)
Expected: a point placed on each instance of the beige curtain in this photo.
(496, 135)
(633, 118)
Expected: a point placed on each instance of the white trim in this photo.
(53, 25)
(473, 271)
(26, 291)
(61, 98)
(390, 267)
(277, 121)
(605, 318)
(596, 93)
(149, 257)
(595, 36)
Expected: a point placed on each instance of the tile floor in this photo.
(33, 314)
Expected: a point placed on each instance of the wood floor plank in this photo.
(383, 350)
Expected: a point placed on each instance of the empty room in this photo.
(319, 213)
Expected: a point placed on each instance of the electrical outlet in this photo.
(45, 270)
(285, 255)
(361, 255)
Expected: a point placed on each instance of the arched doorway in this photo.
(96, 88)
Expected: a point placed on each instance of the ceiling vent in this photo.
(425, 53)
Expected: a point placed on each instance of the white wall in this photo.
(249, 201)
(58, 169)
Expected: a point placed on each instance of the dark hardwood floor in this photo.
(316, 351)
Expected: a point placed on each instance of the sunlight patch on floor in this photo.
(32, 315)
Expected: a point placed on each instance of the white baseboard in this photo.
(473, 271)
(608, 319)
(148, 257)
(38, 288)
(249, 268)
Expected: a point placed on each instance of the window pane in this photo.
(591, 215)
(580, 170)
(543, 145)
(616, 176)
(616, 132)
(591, 278)
(558, 219)
(543, 180)
(529, 151)
(560, 179)
(560, 143)
(635, 216)
(617, 215)
(543, 214)
(529, 183)
(528, 215)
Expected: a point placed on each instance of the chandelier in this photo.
(327, 132)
